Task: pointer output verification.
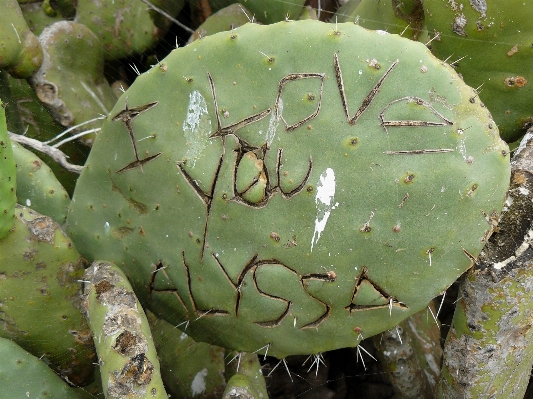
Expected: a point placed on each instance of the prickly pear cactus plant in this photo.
(290, 198)
(490, 43)
(23, 374)
(70, 81)
(123, 27)
(266, 12)
(20, 51)
(126, 352)
(405, 17)
(37, 186)
(39, 294)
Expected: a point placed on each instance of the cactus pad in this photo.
(490, 44)
(293, 198)
(39, 300)
(24, 375)
(37, 186)
(126, 352)
(8, 178)
(20, 51)
(70, 82)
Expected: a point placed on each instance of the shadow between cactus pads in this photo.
(293, 187)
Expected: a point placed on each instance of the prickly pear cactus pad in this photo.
(292, 188)
(490, 44)
(8, 178)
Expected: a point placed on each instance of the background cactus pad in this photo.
(274, 196)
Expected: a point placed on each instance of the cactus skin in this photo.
(270, 231)
(410, 354)
(493, 40)
(245, 377)
(309, 13)
(29, 117)
(267, 12)
(71, 82)
(40, 295)
(24, 375)
(188, 368)
(227, 18)
(136, 32)
(20, 51)
(36, 17)
(38, 187)
(128, 361)
(404, 17)
(8, 178)
(65, 8)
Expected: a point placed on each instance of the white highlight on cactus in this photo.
(28, 202)
(16, 32)
(198, 383)
(523, 190)
(106, 228)
(432, 364)
(196, 127)
(461, 147)
(325, 193)
(274, 122)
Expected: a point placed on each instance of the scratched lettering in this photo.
(264, 181)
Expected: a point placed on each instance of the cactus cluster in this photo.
(281, 189)
(282, 195)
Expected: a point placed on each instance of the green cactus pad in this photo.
(24, 375)
(38, 187)
(292, 188)
(188, 368)
(227, 18)
(405, 17)
(20, 51)
(70, 82)
(36, 17)
(129, 366)
(263, 11)
(39, 296)
(123, 27)
(8, 178)
(30, 118)
(490, 44)
(245, 377)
